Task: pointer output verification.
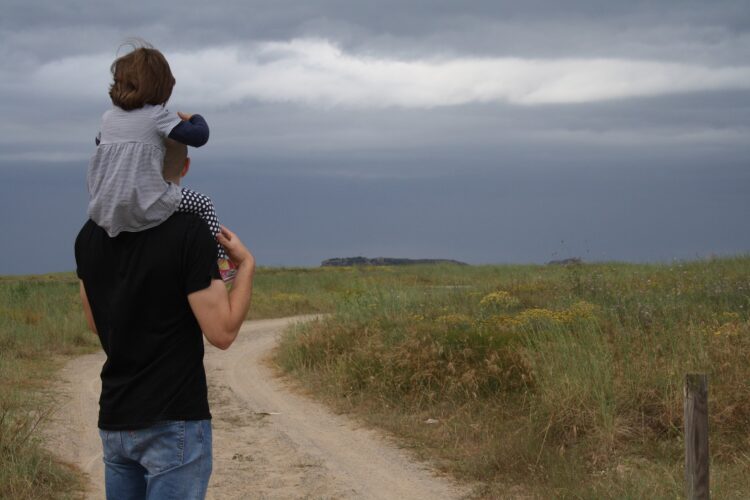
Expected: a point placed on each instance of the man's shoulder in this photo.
(181, 231)
(183, 220)
(180, 227)
(177, 223)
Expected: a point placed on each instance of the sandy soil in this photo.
(269, 442)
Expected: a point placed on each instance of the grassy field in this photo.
(544, 381)
(42, 325)
(541, 381)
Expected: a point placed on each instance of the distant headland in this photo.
(384, 261)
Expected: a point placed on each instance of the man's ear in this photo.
(185, 167)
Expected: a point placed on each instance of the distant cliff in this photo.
(384, 261)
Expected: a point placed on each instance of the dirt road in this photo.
(269, 442)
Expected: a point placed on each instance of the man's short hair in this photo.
(174, 158)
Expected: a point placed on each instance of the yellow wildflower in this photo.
(538, 314)
(581, 310)
(455, 320)
(504, 322)
(500, 298)
(730, 316)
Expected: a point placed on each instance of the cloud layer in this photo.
(317, 72)
(486, 131)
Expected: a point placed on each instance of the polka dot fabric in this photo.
(200, 204)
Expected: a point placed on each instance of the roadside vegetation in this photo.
(40, 324)
(540, 381)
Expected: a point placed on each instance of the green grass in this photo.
(545, 381)
(40, 323)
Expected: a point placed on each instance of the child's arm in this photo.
(192, 130)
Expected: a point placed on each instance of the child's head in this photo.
(176, 161)
(141, 77)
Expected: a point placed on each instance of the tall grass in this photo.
(42, 325)
(545, 381)
(40, 321)
(558, 381)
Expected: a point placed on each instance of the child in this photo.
(126, 187)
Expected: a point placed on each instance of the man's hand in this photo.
(220, 314)
(184, 116)
(236, 251)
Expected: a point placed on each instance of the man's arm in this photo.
(220, 313)
(87, 308)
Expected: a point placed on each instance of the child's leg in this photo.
(200, 204)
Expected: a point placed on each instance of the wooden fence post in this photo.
(696, 436)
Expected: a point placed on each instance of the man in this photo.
(148, 296)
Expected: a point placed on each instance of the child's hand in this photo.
(186, 117)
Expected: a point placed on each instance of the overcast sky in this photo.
(485, 131)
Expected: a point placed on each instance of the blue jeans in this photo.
(169, 460)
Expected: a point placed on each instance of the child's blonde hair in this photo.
(141, 77)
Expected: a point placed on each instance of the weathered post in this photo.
(696, 436)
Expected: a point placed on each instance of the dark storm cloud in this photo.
(677, 29)
(484, 131)
(515, 214)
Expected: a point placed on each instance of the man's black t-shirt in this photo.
(137, 285)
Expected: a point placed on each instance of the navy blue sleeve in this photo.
(193, 133)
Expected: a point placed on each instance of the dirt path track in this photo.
(269, 442)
